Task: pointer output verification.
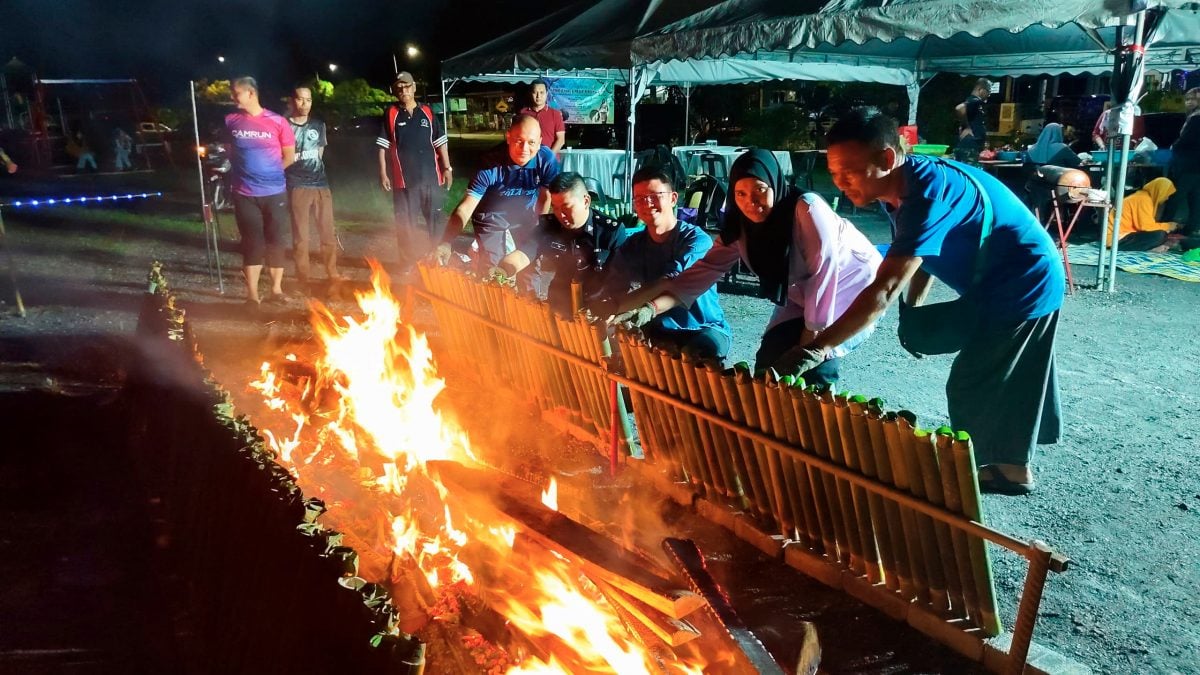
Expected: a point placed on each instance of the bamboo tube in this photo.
(821, 532)
(662, 425)
(913, 441)
(901, 579)
(744, 382)
(648, 429)
(533, 375)
(981, 564)
(829, 487)
(685, 421)
(878, 543)
(714, 373)
(964, 601)
(796, 522)
(701, 395)
(674, 436)
(587, 414)
(713, 479)
(795, 473)
(862, 509)
(927, 460)
(908, 518)
(753, 476)
(784, 515)
(845, 492)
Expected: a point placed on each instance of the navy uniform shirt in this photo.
(579, 254)
(308, 171)
(508, 193)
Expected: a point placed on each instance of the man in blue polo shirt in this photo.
(508, 193)
(1003, 388)
(663, 250)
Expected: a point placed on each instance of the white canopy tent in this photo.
(640, 43)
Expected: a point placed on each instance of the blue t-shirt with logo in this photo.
(939, 220)
(508, 193)
(642, 260)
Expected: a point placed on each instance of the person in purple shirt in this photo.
(507, 194)
(810, 262)
(263, 146)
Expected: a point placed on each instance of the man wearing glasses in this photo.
(574, 242)
(662, 251)
(414, 165)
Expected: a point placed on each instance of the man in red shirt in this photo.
(554, 130)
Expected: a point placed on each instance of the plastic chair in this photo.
(707, 195)
(712, 164)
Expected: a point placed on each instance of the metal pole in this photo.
(211, 249)
(687, 111)
(7, 101)
(1135, 84)
(445, 110)
(1102, 264)
(395, 65)
(633, 97)
(12, 270)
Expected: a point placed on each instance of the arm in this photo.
(543, 201)
(514, 262)
(458, 219)
(560, 139)
(9, 165)
(444, 162)
(384, 180)
(289, 155)
(287, 143)
(894, 273)
(918, 288)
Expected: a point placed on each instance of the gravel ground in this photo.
(1120, 495)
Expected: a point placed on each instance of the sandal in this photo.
(993, 481)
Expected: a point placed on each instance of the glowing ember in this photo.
(366, 421)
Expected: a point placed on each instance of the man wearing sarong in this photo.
(1002, 388)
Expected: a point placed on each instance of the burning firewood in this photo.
(690, 561)
(598, 557)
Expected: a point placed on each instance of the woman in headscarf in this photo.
(810, 262)
(1050, 148)
(1140, 228)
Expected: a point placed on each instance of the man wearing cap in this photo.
(414, 165)
(554, 129)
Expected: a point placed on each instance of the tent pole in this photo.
(633, 99)
(445, 109)
(207, 211)
(914, 95)
(1138, 29)
(1102, 264)
(687, 110)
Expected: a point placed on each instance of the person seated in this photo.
(811, 263)
(573, 241)
(1050, 149)
(1140, 228)
(663, 250)
(507, 194)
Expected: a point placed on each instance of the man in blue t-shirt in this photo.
(1003, 388)
(508, 193)
(664, 249)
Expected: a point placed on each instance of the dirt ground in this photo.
(1120, 495)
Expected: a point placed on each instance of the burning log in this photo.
(598, 557)
(674, 632)
(690, 562)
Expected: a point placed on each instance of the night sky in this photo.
(165, 43)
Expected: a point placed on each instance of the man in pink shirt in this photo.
(263, 146)
(554, 129)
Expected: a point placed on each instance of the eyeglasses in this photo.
(651, 197)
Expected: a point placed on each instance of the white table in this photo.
(689, 156)
(602, 165)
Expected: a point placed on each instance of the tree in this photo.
(217, 91)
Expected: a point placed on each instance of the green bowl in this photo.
(929, 149)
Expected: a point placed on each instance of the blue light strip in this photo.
(66, 201)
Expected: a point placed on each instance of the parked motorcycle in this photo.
(215, 160)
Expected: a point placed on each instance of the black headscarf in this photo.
(768, 244)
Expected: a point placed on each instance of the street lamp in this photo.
(333, 67)
(412, 52)
(220, 59)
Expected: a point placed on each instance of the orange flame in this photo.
(367, 459)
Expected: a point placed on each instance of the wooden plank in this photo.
(596, 555)
(674, 632)
(688, 559)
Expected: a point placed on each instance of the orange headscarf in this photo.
(1142, 206)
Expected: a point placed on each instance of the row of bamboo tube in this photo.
(242, 533)
(892, 545)
(554, 384)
